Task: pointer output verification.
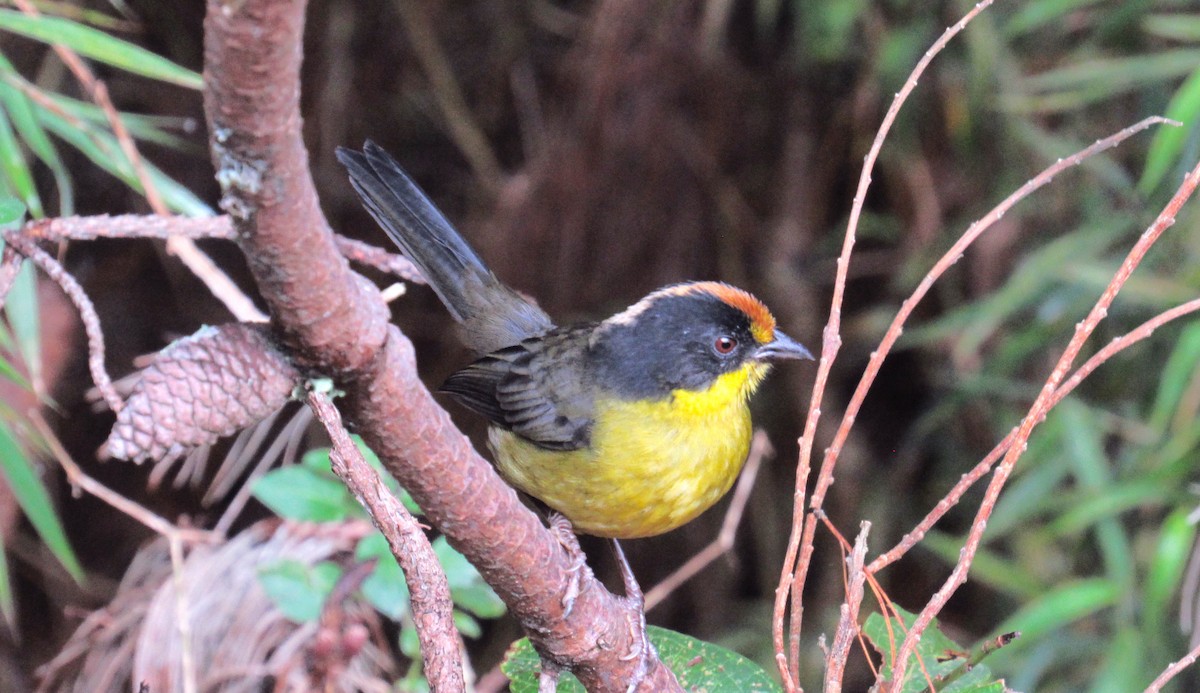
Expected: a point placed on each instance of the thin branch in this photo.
(429, 590)
(847, 629)
(796, 563)
(1173, 670)
(87, 314)
(1037, 413)
(167, 227)
(80, 480)
(760, 448)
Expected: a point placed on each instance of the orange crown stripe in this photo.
(762, 323)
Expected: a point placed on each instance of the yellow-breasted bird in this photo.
(628, 427)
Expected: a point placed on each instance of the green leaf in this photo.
(299, 493)
(467, 588)
(699, 666)
(12, 213)
(21, 309)
(16, 168)
(297, 590)
(99, 46)
(1168, 142)
(24, 118)
(466, 625)
(1061, 606)
(385, 588)
(7, 605)
(937, 658)
(34, 500)
(101, 147)
(1171, 553)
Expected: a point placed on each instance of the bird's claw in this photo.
(562, 530)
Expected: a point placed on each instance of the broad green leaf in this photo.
(386, 588)
(35, 502)
(12, 213)
(937, 658)
(100, 46)
(466, 625)
(1168, 142)
(299, 493)
(299, 591)
(467, 588)
(699, 666)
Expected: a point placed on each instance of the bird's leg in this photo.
(562, 530)
(642, 648)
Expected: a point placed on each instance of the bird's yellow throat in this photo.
(653, 465)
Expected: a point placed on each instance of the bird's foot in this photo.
(643, 649)
(562, 529)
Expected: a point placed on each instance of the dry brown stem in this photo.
(847, 629)
(87, 313)
(429, 590)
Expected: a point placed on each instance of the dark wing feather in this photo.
(530, 392)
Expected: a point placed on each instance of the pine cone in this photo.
(199, 388)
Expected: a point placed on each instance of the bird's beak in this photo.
(783, 347)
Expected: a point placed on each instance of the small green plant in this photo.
(309, 492)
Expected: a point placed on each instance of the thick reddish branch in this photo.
(335, 323)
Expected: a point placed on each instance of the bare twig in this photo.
(80, 480)
(1173, 670)
(847, 630)
(1037, 413)
(760, 448)
(167, 227)
(796, 562)
(87, 313)
(429, 590)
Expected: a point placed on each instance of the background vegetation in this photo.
(596, 150)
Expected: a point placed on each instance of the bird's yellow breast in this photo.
(651, 466)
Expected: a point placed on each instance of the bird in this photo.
(628, 427)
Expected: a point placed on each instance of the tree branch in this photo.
(333, 321)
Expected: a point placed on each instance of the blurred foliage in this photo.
(1087, 551)
(310, 492)
(28, 116)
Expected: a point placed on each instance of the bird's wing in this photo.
(531, 389)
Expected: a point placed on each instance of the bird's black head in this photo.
(684, 337)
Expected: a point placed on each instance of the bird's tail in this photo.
(492, 315)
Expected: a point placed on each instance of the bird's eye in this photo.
(725, 345)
